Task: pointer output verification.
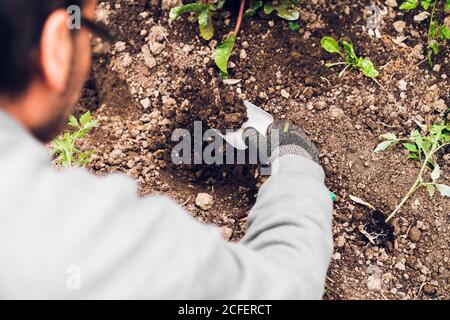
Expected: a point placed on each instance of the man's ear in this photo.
(56, 51)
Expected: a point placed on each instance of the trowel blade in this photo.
(258, 119)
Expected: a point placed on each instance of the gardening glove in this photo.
(282, 138)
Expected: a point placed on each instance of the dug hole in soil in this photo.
(159, 76)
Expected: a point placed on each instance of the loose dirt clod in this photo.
(204, 201)
(415, 234)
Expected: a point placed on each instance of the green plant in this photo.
(436, 30)
(64, 148)
(350, 58)
(204, 10)
(422, 148)
(286, 9)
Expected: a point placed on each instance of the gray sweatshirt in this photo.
(72, 235)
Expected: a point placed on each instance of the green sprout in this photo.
(437, 32)
(350, 58)
(64, 148)
(422, 148)
(205, 10)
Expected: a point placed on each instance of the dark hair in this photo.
(21, 25)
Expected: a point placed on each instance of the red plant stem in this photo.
(241, 15)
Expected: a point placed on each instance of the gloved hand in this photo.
(292, 140)
(282, 138)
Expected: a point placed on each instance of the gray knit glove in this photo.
(283, 138)
(292, 141)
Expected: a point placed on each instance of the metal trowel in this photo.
(258, 119)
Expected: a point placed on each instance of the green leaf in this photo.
(253, 7)
(388, 136)
(330, 45)
(383, 146)
(348, 48)
(425, 4)
(443, 190)
(85, 118)
(447, 5)
(285, 10)
(410, 147)
(433, 31)
(431, 189)
(90, 125)
(217, 5)
(268, 9)
(223, 52)
(433, 48)
(412, 156)
(445, 32)
(288, 13)
(408, 5)
(187, 8)
(368, 68)
(294, 26)
(418, 139)
(436, 173)
(205, 24)
(73, 122)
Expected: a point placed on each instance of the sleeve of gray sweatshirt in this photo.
(70, 235)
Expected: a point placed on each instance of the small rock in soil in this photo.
(149, 60)
(227, 233)
(120, 46)
(340, 241)
(429, 289)
(391, 3)
(145, 103)
(127, 61)
(115, 157)
(368, 253)
(204, 201)
(402, 85)
(447, 21)
(415, 234)
(285, 94)
(336, 112)
(399, 26)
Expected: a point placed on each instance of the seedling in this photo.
(204, 10)
(436, 31)
(422, 148)
(365, 65)
(65, 148)
(286, 9)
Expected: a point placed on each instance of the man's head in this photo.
(43, 64)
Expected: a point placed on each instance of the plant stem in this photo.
(329, 65)
(409, 194)
(241, 15)
(418, 183)
(429, 30)
(431, 19)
